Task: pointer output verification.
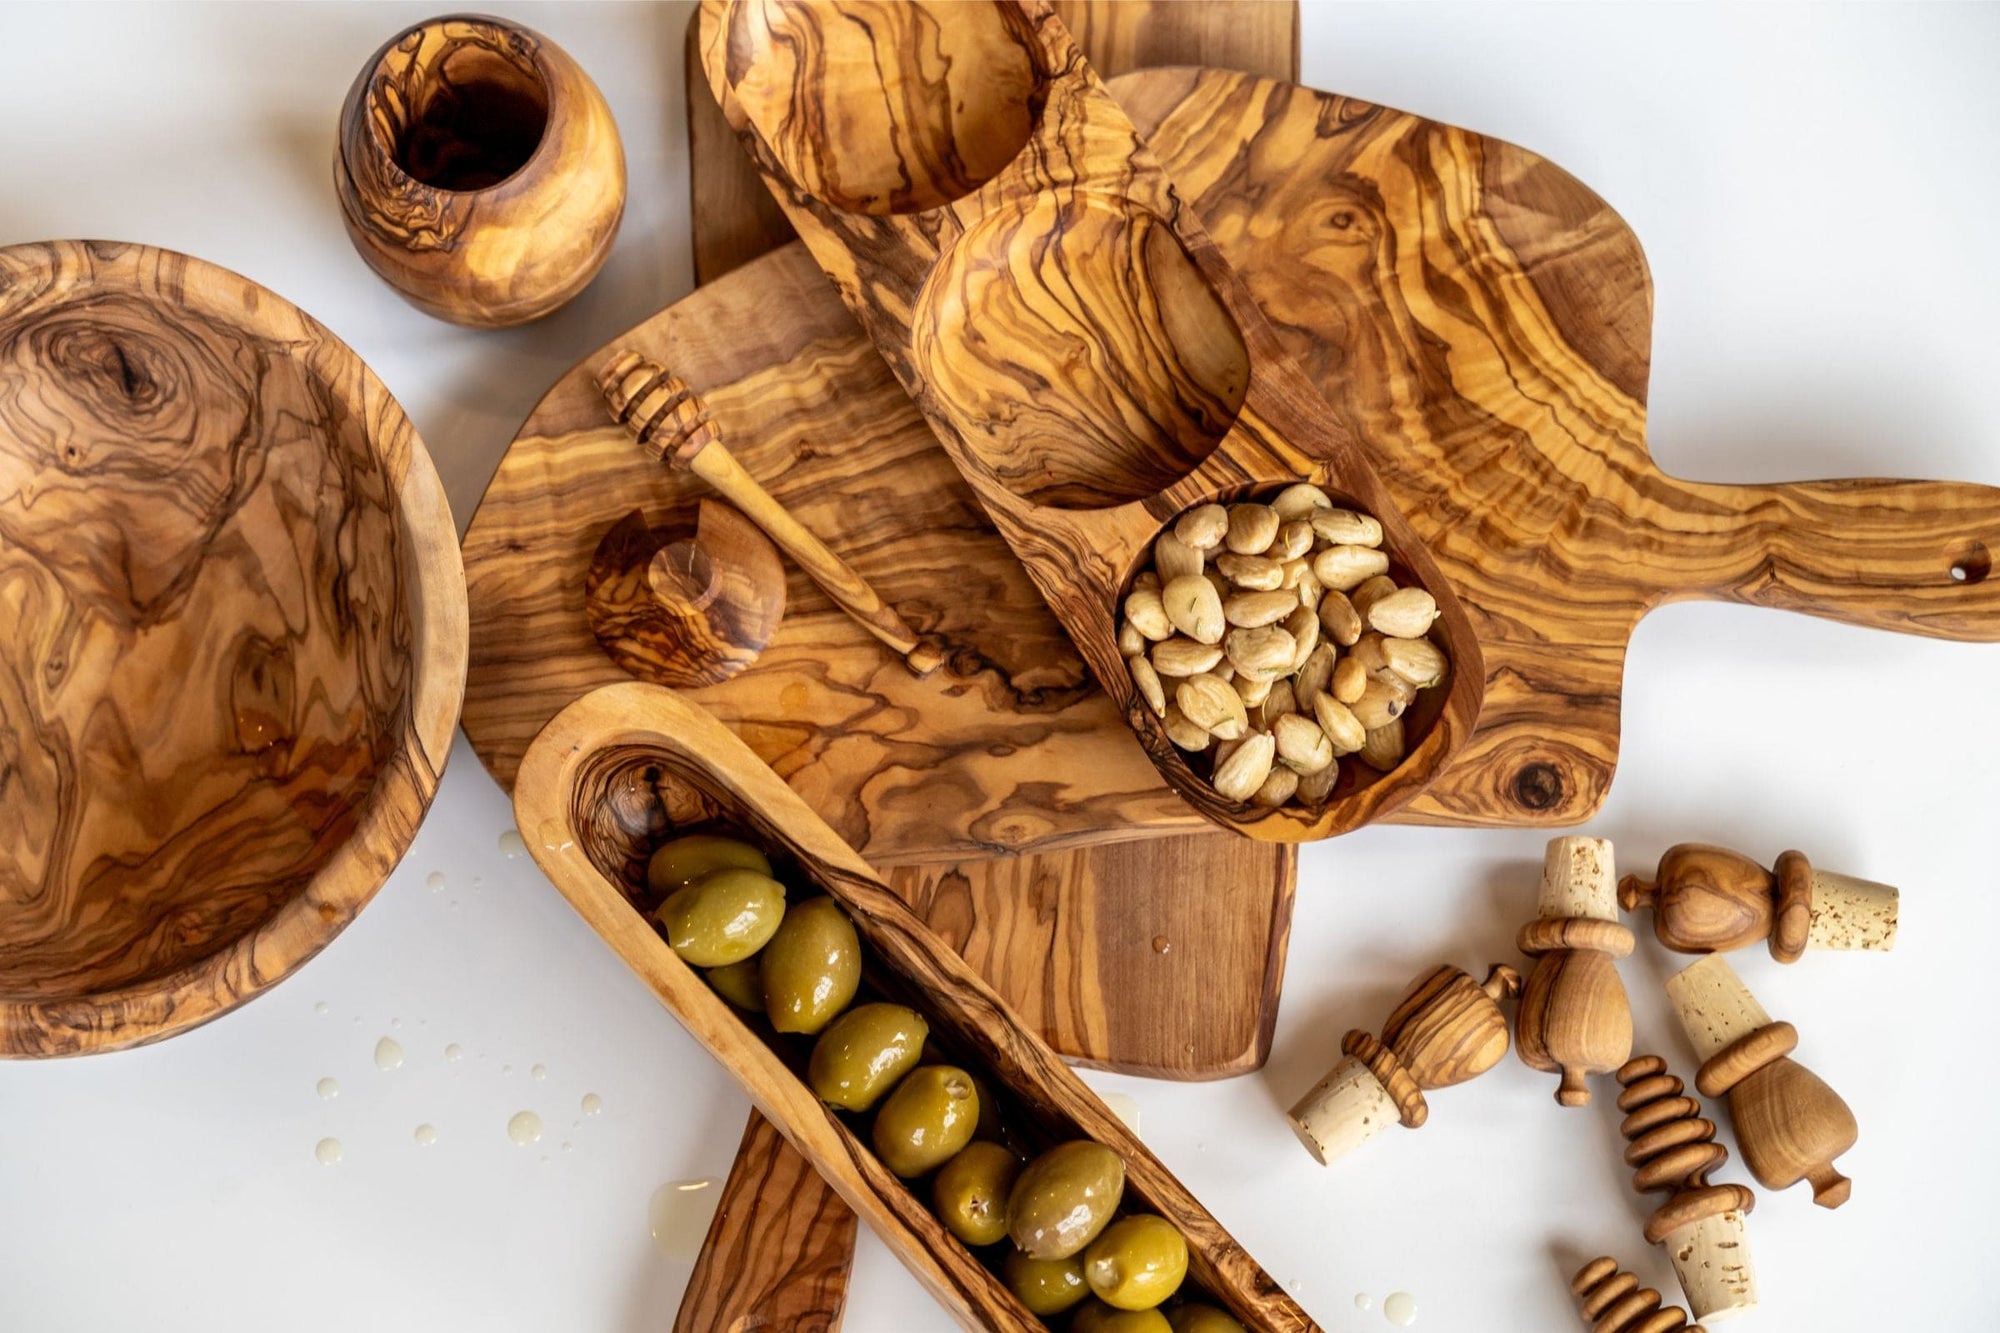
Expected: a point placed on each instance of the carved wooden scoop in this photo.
(1089, 361)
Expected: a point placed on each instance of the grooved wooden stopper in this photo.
(1578, 879)
(1343, 1111)
(1713, 1005)
(1612, 1301)
(1850, 913)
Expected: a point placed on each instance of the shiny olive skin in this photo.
(723, 917)
(1138, 1262)
(811, 968)
(1097, 1317)
(681, 862)
(1045, 1286)
(739, 983)
(1064, 1198)
(970, 1192)
(926, 1121)
(1202, 1319)
(864, 1052)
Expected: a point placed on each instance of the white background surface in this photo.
(1816, 190)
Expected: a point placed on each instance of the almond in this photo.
(1193, 608)
(1244, 771)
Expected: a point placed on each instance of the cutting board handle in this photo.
(1911, 556)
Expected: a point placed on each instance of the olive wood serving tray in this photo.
(1089, 360)
(619, 770)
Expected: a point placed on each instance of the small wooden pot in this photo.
(479, 171)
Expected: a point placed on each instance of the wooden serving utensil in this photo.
(668, 420)
(622, 767)
(1090, 362)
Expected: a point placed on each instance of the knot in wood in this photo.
(1613, 1302)
(1388, 1069)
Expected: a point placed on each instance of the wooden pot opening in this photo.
(460, 104)
(1079, 351)
(967, 91)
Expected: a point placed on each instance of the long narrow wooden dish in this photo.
(1087, 357)
(615, 772)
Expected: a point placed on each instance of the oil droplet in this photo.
(512, 844)
(436, 881)
(525, 1128)
(678, 1216)
(388, 1054)
(1363, 1301)
(506, 1069)
(592, 1103)
(427, 1135)
(1125, 1108)
(328, 1151)
(1400, 1308)
(454, 1052)
(322, 1007)
(539, 1072)
(395, 1022)
(553, 836)
(566, 1145)
(1161, 944)
(327, 1089)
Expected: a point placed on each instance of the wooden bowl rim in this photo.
(170, 1003)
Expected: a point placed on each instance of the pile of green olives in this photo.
(1068, 1249)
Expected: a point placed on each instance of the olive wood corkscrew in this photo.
(1574, 1017)
(1672, 1149)
(670, 422)
(1446, 1029)
(1712, 900)
(1789, 1123)
(1612, 1301)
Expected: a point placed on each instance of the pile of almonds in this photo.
(1271, 638)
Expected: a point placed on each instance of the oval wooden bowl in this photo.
(1089, 360)
(235, 647)
(479, 171)
(618, 770)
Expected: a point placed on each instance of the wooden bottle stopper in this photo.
(1712, 900)
(1672, 1149)
(1574, 1018)
(1446, 1029)
(1789, 1123)
(1612, 1301)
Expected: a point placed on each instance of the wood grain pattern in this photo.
(618, 769)
(1574, 1019)
(479, 171)
(1712, 900)
(1087, 356)
(235, 647)
(1612, 1301)
(777, 1253)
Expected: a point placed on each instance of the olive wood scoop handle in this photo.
(670, 423)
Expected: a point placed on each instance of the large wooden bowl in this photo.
(232, 642)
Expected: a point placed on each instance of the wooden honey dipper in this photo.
(1712, 900)
(1614, 1302)
(670, 423)
(1673, 1148)
(1574, 1018)
(1789, 1123)
(1446, 1029)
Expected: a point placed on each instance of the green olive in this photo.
(1097, 1317)
(1138, 1262)
(811, 968)
(1202, 1319)
(739, 983)
(723, 917)
(1045, 1286)
(970, 1192)
(926, 1121)
(681, 862)
(863, 1052)
(1064, 1198)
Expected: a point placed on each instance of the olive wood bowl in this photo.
(615, 773)
(1089, 360)
(234, 647)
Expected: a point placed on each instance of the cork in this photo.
(1713, 1005)
(1343, 1111)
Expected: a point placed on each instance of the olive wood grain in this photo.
(479, 171)
(234, 642)
(1088, 358)
(779, 1249)
(1712, 900)
(1574, 1018)
(619, 769)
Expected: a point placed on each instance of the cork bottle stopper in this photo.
(1849, 913)
(1343, 1111)
(1578, 880)
(1713, 1005)
(1711, 1258)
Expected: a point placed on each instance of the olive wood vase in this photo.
(1088, 359)
(622, 767)
(479, 171)
(234, 647)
